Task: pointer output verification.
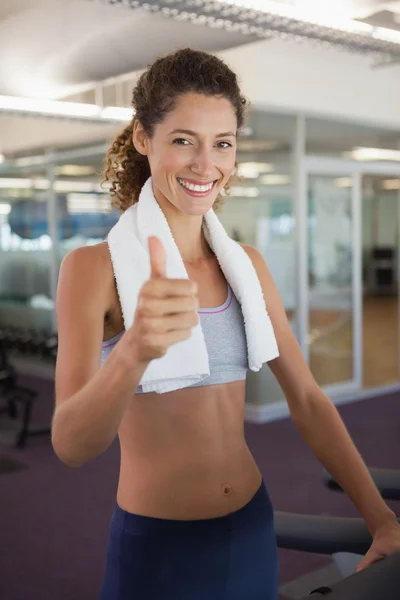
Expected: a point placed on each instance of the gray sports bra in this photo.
(225, 338)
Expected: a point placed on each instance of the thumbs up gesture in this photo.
(166, 310)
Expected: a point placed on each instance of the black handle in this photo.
(323, 535)
(386, 480)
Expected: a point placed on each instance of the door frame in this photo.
(337, 167)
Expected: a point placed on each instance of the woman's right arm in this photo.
(90, 401)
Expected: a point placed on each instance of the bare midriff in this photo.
(184, 455)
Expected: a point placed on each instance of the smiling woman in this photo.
(190, 104)
(193, 518)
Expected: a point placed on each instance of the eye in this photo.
(180, 142)
(226, 145)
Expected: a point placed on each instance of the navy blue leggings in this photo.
(233, 557)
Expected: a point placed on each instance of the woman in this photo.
(193, 519)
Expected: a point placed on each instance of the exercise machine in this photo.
(380, 581)
(386, 480)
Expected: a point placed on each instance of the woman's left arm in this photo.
(321, 425)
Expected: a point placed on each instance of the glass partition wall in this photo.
(380, 270)
(325, 218)
(44, 213)
(25, 253)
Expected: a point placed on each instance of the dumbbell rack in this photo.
(26, 344)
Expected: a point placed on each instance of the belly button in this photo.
(227, 489)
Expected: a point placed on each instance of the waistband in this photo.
(144, 525)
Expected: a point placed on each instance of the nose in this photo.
(202, 163)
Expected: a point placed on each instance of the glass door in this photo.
(331, 310)
(380, 243)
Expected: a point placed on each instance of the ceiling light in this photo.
(56, 108)
(244, 192)
(317, 12)
(76, 186)
(49, 107)
(27, 161)
(275, 179)
(87, 203)
(75, 170)
(43, 184)
(343, 182)
(10, 183)
(5, 209)
(117, 113)
(375, 154)
(256, 145)
(382, 33)
(391, 184)
(251, 170)
(314, 20)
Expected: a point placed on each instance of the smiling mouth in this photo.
(196, 188)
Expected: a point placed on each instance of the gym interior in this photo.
(317, 192)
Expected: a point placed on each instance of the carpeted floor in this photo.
(54, 520)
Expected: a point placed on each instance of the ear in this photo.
(139, 138)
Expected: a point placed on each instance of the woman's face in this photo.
(192, 153)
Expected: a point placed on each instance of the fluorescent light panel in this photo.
(60, 185)
(343, 182)
(318, 12)
(252, 170)
(275, 179)
(87, 203)
(5, 209)
(75, 170)
(375, 154)
(244, 192)
(391, 184)
(64, 109)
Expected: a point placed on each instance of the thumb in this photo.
(157, 258)
(367, 560)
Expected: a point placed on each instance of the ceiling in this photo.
(51, 48)
(55, 48)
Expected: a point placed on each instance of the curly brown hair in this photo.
(155, 94)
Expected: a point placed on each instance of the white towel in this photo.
(186, 362)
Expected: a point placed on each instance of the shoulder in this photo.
(89, 268)
(263, 273)
(256, 258)
(88, 259)
(252, 252)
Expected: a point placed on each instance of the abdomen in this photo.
(184, 456)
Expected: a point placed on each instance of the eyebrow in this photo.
(190, 132)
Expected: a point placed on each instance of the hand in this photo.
(386, 541)
(166, 311)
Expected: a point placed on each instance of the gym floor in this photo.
(54, 520)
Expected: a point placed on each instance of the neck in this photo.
(187, 232)
(189, 237)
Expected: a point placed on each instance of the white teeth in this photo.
(195, 188)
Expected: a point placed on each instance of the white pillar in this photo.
(300, 210)
(52, 224)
